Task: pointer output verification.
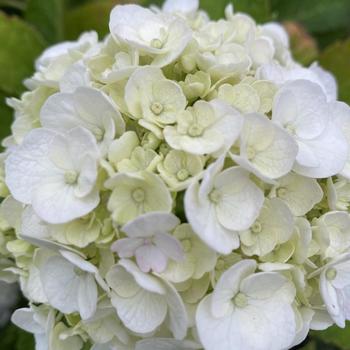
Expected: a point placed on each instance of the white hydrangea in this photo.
(56, 173)
(181, 184)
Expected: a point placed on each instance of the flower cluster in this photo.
(182, 184)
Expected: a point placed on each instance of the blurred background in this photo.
(319, 30)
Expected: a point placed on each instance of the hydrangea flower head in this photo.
(181, 184)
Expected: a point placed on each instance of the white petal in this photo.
(177, 318)
(184, 6)
(79, 262)
(143, 312)
(28, 163)
(229, 285)
(307, 102)
(150, 257)
(24, 318)
(241, 199)
(202, 217)
(150, 224)
(126, 247)
(61, 284)
(87, 296)
(170, 246)
(146, 281)
(165, 344)
(331, 150)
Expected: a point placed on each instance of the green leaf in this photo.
(334, 336)
(15, 4)
(20, 45)
(47, 16)
(303, 45)
(311, 345)
(91, 16)
(336, 59)
(259, 9)
(13, 338)
(317, 15)
(5, 117)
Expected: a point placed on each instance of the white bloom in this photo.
(302, 109)
(241, 96)
(54, 62)
(144, 301)
(332, 233)
(228, 60)
(105, 326)
(166, 344)
(152, 98)
(281, 75)
(304, 316)
(298, 192)
(341, 116)
(222, 204)
(150, 241)
(85, 107)
(265, 149)
(179, 168)
(40, 320)
(206, 128)
(192, 291)
(160, 36)
(248, 311)
(114, 62)
(75, 77)
(69, 283)
(56, 173)
(198, 257)
(302, 237)
(273, 226)
(261, 50)
(135, 194)
(338, 194)
(140, 159)
(27, 110)
(280, 39)
(182, 6)
(335, 289)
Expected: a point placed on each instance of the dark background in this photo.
(319, 30)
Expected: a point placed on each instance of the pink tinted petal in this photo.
(169, 245)
(126, 247)
(149, 257)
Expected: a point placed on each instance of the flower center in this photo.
(157, 108)
(70, 177)
(215, 196)
(256, 228)
(182, 174)
(156, 43)
(331, 274)
(251, 153)
(240, 300)
(187, 245)
(98, 133)
(195, 130)
(290, 128)
(147, 241)
(138, 195)
(281, 192)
